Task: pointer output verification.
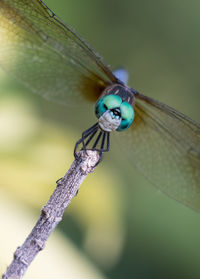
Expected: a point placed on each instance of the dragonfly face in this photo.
(162, 143)
(114, 108)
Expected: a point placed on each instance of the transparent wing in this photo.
(47, 55)
(165, 146)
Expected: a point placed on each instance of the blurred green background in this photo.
(119, 226)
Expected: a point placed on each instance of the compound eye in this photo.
(100, 108)
(112, 101)
(108, 102)
(127, 114)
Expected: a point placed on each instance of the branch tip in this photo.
(52, 213)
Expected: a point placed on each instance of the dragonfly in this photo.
(52, 60)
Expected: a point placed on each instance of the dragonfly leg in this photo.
(58, 180)
(97, 140)
(98, 144)
(87, 134)
(108, 142)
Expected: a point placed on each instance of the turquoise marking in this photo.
(111, 102)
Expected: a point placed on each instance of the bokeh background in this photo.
(119, 226)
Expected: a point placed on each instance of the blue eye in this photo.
(112, 101)
(100, 108)
(107, 103)
(127, 114)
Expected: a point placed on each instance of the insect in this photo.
(161, 142)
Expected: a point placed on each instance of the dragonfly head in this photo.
(113, 113)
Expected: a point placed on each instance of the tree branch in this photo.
(52, 213)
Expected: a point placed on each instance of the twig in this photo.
(52, 212)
